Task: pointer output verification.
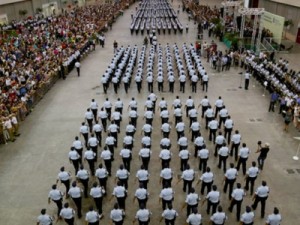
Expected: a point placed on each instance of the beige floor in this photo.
(29, 166)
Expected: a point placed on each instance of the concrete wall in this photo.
(287, 11)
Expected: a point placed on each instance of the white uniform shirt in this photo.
(213, 124)
(244, 152)
(147, 128)
(122, 174)
(194, 219)
(44, 219)
(236, 138)
(165, 154)
(203, 153)
(192, 199)
(67, 213)
(77, 144)
(145, 152)
(253, 171)
(92, 216)
(262, 191)
(183, 141)
(218, 217)
(93, 141)
(82, 174)
(143, 215)
(167, 194)
(141, 193)
(142, 175)
(207, 177)
(117, 215)
(89, 155)
(274, 219)
(97, 192)
(231, 173)
(106, 154)
(238, 194)
(184, 154)
(223, 151)
(213, 196)
(73, 155)
(199, 141)
(55, 194)
(180, 126)
(169, 214)
(247, 218)
(63, 176)
(101, 173)
(166, 173)
(75, 192)
(166, 127)
(119, 191)
(188, 174)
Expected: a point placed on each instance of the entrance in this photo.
(298, 36)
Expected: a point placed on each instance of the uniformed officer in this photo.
(228, 126)
(120, 193)
(77, 144)
(141, 194)
(92, 217)
(94, 108)
(44, 219)
(97, 193)
(166, 176)
(247, 217)
(97, 129)
(274, 218)
(209, 115)
(102, 115)
(90, 157)
(177, 115)
(75, 193)
(189, 104)
(220, 140)
(223, 155)
(235, 143)
(165, 157)
(182, 142)
(84, 131)
(180, 126)
(64, 177)
(213, 200)
(89, 118)
(195, 129)
(219, 217)
(223, 114)
(261, 195)
(67, 213)
(230, 177)
(142, 215)
(243, 157)
(207, 180)
(125, 153)
(184, 155)
(145, 154)
(204, 105)
(130, 129)
(56, 196)
(122, 175)
(203, 155)
(199, 144)
(213, 126)
(74, 158)
(251, 177)
(110, 144)
(166, 195)
(107, 106)
(169, 215)
(83, 176)
(188, 176)
(143, 176)
(117, 215)
(218, 105)
(237, 199)
(195, 218)
(191, 201)
(101, 173)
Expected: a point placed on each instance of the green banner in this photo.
(274, 24)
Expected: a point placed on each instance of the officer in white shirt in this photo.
(77, 144)
(122, 175)
(147, 128)
(218, 105)
(89, 118)
(93, 144)
(101, 173)
(213, 126)
(177, 102)
(213, 200)
(102, 115)
(91, 157)
(184, 155)
(97, 193)
(237, 199)
(192, 115)
(220, 140)
(247, 79)
(83, 176)
(188, 176)
(203, 155)
(223, 114)
(166, 195)
(44, 219)
(235, 143)
(146, 142)
(92, 217)
(130, 129)
(126, 155)
(204, 103)
(116, 117)
(119, 106)
(74, 158)
(230, 177)
(106, 155)
(75, 193)
(114, 129)
(165, 156)
(223, 155)
(94, 108)
(195, 129)
(56, 196)
(165, 128)
(261, 195)
(180, 126)
(207, 180)
(274, 218)
(110, 143)
(247, 217)
(148, 115)
(164, 116)
(228, 126)
(195, 218)
(243, 157)
(209, 115)
(199, 143)
(64, 177)
(117, 215)
(169, 215)
(145, 154)
(107, 106)
(143, 176)
(141, 194)
(251, 177)
(84, 131)
(191, 201)
(143, 215)
(219, 217)
(120, 193)
(97, 129)
(67, 213)
(133, 117)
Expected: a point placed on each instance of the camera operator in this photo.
(263, 154)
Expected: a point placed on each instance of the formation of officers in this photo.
(122, 66)
(99, 150)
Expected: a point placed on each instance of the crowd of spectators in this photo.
(34, 52)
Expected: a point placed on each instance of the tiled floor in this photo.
(29, 166)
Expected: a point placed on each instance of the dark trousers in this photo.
(98, 202)
(126, 162)
(227, 134)
(204, 85)
(187, 184)
(171, 87)
(144, 222)
(262, 200)
(78, 71)
(150, 87)
(59, 205)
(251, 181)
(202, 164)
(142, 202)
(91, 163)
(242, 161)
(189, 209)
(165, 203)
(212, 135)
(90, 123)
(217, 147)
(182, 86)
(169, 222)
(86, 137)
(108, 166)
(229, 183)
(70, 221)
(183, 164)
(222, 160)
(99, 137)
(121, 202)
(167, 182)
(261, 161)
(124, 182)
(76, 165)
(111, 148)
(94, 111)
(213, 206)
(85, 183)
(234, 149)
(207, 120)
(160, 86)
(238, 208)
(79, 151)
(77, 202)
(206, 185)
(103, 182)
(246, 83)
(146, 161)
(67, 184)
(104, 123)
